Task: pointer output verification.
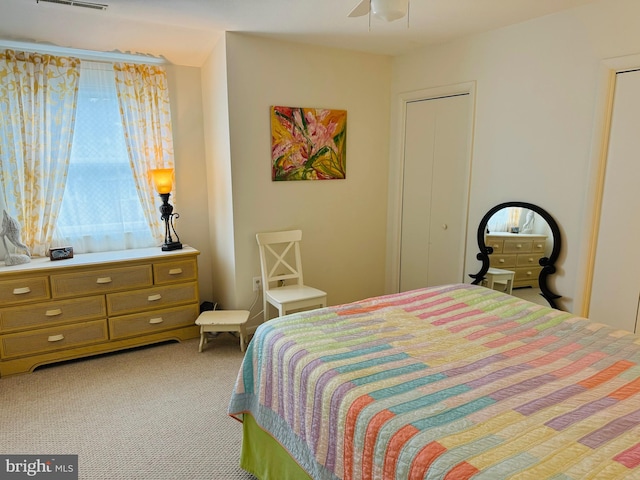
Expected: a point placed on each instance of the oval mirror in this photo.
(519, 244)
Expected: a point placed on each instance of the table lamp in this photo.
(163, 180)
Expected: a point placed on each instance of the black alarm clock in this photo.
(60, 253)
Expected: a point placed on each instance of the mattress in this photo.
(449, 382)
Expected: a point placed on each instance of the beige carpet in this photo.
(154, 413)
(530, 294)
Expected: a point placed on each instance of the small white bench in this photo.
(213, 321)
(498, 276)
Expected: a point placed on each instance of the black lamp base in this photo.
(167, 247)
(166, 209)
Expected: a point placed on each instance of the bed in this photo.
(448, 382)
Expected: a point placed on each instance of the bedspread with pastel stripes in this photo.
(450, 382)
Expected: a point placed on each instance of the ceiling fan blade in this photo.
(361, 9)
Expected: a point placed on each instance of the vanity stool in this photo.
(213, 321)
(498, 276)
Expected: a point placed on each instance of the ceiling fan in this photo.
(388, 10)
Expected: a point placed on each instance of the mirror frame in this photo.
(547, 263)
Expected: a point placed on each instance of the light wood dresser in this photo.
(95, 303)
(519, 252)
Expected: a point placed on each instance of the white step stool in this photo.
(211, 321)
(498, 276)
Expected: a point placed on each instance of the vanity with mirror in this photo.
(519, 244)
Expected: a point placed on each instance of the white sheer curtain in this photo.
(101, 209)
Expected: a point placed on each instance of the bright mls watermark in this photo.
(48, 467)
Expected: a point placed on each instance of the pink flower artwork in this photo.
(308, 143)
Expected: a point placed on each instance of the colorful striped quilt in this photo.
(449, 382)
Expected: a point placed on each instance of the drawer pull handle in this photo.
(153, 298)
(529, 273)
(539, 245)
(501, 260)
(21, 290)
(175, 271)
(156, 320)
(53, 313)
(102, 280)
(519, 245)
(531, 260)
(55, 338)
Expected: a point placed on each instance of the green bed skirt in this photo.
(264, 457)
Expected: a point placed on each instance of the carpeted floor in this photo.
(154, 413)
(530, 294)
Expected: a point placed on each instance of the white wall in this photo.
(219, 203)
(190, 197)
(343, 221)
(537, 92)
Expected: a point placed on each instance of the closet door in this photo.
(616, 278)
(435, 192)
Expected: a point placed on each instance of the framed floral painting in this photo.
(308, 143)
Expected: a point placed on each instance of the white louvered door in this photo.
(435, 191)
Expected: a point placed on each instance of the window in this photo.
(100, 209)
(77, 144)
(505, 220)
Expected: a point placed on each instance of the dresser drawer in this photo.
(517, 245)
(538, 245)
(496, 243)
(502, 261)
(172, 272)
(150, 322)
(151, 298)
(528, 259)
(527, 274)
(53, 338)
(23, 290)
(100, 281)
(52, 313)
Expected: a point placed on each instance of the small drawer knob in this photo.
(21, 290)
(154, 298)
(54, 312)
(175, 271)
(156, 320)
(102, 280)
(55, 338)
(501, 260)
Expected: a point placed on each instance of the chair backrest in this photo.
(280, 258)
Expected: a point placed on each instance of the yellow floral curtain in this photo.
(38, 95)
(514, 217)
(143, 95)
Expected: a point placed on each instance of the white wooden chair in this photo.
(282, 282)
